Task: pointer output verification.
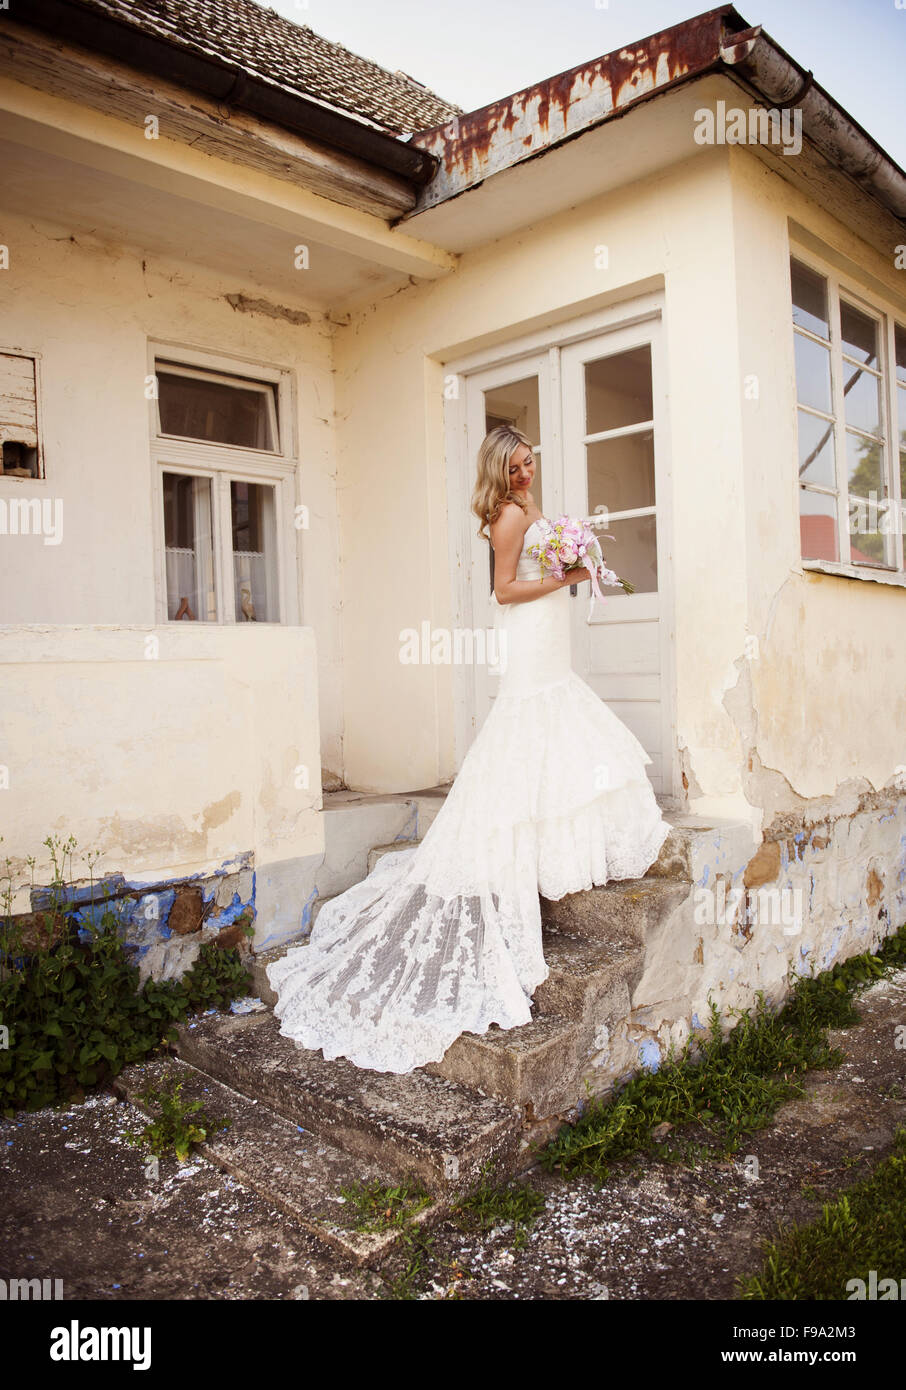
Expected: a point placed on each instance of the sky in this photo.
(475, 51)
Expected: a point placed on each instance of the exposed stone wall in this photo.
(819, 888)
(163, 925)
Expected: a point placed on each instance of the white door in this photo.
(612, 416)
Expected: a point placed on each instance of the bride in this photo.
(444, 937)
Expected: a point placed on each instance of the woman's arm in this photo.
(508, 534)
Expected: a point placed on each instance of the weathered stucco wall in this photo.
(169, 754)
(676, 229)
(89, 309)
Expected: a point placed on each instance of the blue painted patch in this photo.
(650, 1054)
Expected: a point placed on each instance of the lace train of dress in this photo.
(444, 937)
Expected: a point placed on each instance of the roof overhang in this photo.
(496, 154)
(68, 22)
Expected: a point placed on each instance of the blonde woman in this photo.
(444, 937)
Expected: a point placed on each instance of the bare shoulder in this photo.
(510, 525)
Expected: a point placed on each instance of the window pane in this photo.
(632, 554)
(813, 376)
(865, 466)
(189, 548)
(818, 526)
(862, 396)
(859, 335)
(621, 473)
(809, 299)
(215, 411)
(816, 450)
(618, 390)
(868, 493)
(254, 552)
(899, 338)
(901, 413)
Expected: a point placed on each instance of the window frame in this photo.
(36, 361)
(841, 285)
(223, 464)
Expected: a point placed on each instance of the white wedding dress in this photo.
(444, 937)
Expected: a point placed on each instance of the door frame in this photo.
(462, 523)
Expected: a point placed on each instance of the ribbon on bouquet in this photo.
(592, 568)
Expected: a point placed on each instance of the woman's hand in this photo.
(508, 536)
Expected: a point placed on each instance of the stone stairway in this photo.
(485, 1108)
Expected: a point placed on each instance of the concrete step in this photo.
(290, 1167)
(622, 911)
(410, 1124)
(588, 977)
(521, 1066)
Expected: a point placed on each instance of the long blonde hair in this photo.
(492, 485)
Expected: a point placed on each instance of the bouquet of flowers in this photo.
(570, 542)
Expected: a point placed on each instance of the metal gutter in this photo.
(762, 64)
(71, 22)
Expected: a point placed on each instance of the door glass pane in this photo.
(621, 473)
(189, 548)
(632, 554)
(254, 552)
(816, 450)
(813, 375)
(818, 526)
(516, 403)
(618, 390)
(620, 470)
(899, 335)
(215, 410)
(809, 299)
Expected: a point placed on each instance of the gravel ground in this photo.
(78, 1205)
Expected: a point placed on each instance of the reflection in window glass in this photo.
(809, 299)
(813, 374)
(859, 335)
(816, 450)
(818, 526)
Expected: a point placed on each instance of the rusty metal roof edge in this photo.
(744, 53)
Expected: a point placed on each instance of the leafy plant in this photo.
(487, 1206)
(863, 1230)
(731, 1085)
(179, 1125)
(73, 1010)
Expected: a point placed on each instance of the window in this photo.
(225, 479)
(19, 442)
(851, 409)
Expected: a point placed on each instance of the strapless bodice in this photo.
(526, 566)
